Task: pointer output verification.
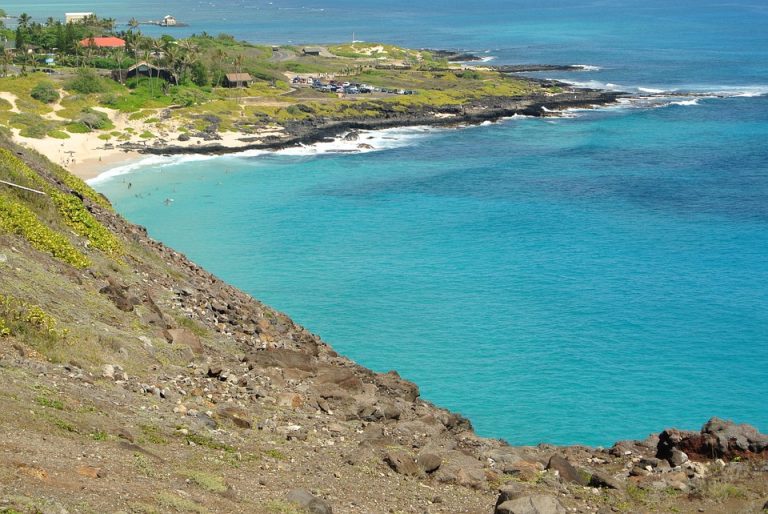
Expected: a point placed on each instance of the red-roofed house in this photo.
(103, 42)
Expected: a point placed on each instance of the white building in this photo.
(168, 21)
(74, 17)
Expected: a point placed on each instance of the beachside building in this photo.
(74, 17)
(311, 51)
(168, 21)
(237, 80)
(102, 42)
(145, 69)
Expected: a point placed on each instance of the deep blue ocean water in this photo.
(576, 280)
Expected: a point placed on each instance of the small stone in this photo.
(677, 458)
(108, 371)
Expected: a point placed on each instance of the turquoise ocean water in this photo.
(575, 280)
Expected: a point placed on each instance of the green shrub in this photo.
(94, 120)
(86, 81)
(58, 134)
(77, 128)
(45, 92)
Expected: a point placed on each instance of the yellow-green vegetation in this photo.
(207, 481)
(71, 208)
(380, 51)
(152, 434)
(53, 403)
(282, 507)
(722, 491)
(22, 319)
(175, 503)
(143, 465)
(16, 218)
(275, 454)
(77, 216)
(208, 442)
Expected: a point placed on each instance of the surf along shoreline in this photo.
(306, 133)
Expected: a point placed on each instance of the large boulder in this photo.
(718, 439)
(392, 385)
(281, 358)
(460, 468)
(429, 462)
(185, 337)
(536, 504)
(567, 472)
(309, 502)
(121, 296)
(343, 378)
(403, 463)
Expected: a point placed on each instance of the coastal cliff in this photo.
(135, 381)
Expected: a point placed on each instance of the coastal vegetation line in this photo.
(88, 90)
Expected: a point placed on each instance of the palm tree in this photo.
(157, 51)
(219, 56)
(149, 68)
(119, 57)
(172, 58)
(24, 20)
(7, 58)
(238, 70)
(133, 23)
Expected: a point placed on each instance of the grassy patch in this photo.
(99, 435)
(723, 491)
(152, 434)
(58, 134)
(282, 507)
(63, 425)
(143, 465)
(208, 442)
(28, 321)
(207, 481)
(32, 125)
(191, 325)
(275, 454)
(51, 403)
(176, 503)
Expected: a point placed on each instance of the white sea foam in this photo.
(686, 103)
(154, 161)
(587, 67)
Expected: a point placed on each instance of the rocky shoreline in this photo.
(180, 393)
(472, 113)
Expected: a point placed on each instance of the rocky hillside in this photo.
(135, 381)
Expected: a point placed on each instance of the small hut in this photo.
(145, 69)
(237, 80)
